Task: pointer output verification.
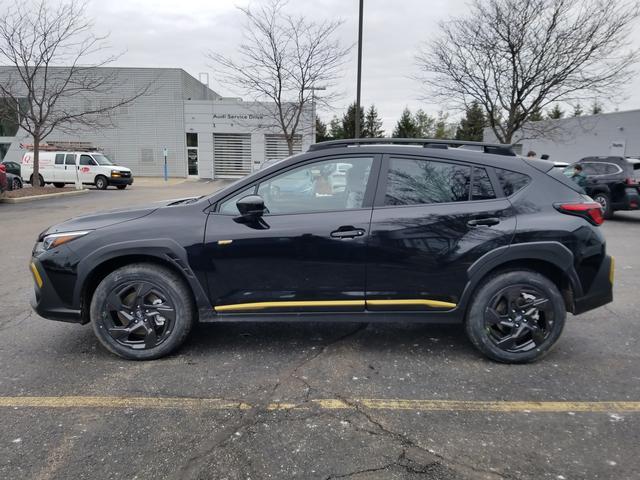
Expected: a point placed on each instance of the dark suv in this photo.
(409, 233)
(613, 182)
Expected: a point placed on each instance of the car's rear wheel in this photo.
(41, 180)
(58, 184)
(516, 317)
(101, 182)
(605, 202)
(142, 311)
(121, 187)
(16, 184)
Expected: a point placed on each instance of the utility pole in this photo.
(357, 133)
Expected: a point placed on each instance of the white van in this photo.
(91, 168)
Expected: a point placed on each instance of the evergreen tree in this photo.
(577, 110)
(596, 107)
(472, 125)
(406, 126)
(336, 132)
(426, 124)
(372, 124)
(555, 113)
(536, 115)
(443, 128)
(321, 130)
(349, 122)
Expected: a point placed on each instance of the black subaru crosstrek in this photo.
(352, 230)
(613, 182)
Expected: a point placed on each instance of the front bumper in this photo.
(44, 299)
(120, 180)
(601, 290)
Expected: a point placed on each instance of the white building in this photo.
(204, 134)
(570, 139)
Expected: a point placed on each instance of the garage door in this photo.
(275, 147)
(231, 155)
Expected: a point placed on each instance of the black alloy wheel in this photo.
(519, 318)
(142, 311)
(16, 184)
(139, 315)
(516, 316)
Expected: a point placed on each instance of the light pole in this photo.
(357, 132)
(313, 111)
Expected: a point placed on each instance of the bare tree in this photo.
(281, 59)
(516, 57)
(46, 80)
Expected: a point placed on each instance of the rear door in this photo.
(432, 219)
(70, 168)
(59, 168)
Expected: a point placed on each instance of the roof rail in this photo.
(495, 148)
(62, 147)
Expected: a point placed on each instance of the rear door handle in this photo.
(488, 222)
(347, 232)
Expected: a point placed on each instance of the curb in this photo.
(35, 198)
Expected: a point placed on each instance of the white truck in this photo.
(68, 167)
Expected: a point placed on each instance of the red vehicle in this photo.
(3, 178)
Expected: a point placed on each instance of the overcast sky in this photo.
(169, 33)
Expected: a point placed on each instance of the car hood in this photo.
(107, 218)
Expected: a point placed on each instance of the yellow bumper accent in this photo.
(36, 275)
(333, 303)
(612, 270)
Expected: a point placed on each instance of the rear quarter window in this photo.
(512, 182)
(560, 176)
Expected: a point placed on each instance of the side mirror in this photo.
(251, 206)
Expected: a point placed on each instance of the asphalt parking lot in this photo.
(311, 401)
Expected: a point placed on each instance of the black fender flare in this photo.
(165, 250)
(554, 253)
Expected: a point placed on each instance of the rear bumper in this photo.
(46, 302)
(120, 181)
(630, 200)
(601, 291)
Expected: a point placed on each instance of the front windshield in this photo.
(101, 159)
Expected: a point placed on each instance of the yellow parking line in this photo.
(185, 403)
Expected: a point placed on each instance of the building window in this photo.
(8, 118)
(192, 139)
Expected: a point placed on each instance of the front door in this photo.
(432, 219)
(88, 169)
(308, 253)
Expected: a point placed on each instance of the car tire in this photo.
(605, 202)
(121, 187)
(58, 184)
(101, 182)
(142, 311)
(42, 184)
(16, 184)
(516, 317)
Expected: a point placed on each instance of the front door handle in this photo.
(488, 222)
(347, 232)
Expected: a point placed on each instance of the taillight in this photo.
(631, 181)
(3, 168)
(592, 211)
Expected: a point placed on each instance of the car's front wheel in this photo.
(101, 182)
(142, 311)
(516, 317)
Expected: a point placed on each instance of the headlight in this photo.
(56, 239)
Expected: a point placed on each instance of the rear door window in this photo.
(482, 188)
(70, 159)
(421, 181)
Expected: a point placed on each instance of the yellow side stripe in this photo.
(612, 270)
(425, 302)
(332, 303)
(424, 405)
(36, 275)
(263, 305)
